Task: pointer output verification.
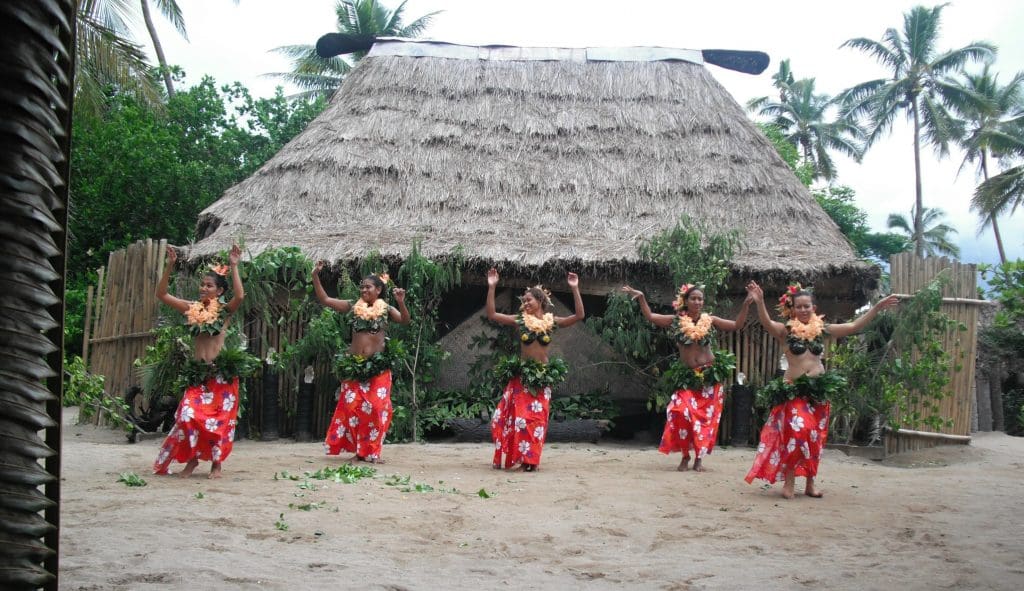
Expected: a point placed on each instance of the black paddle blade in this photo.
(748, 62)
(333, 44)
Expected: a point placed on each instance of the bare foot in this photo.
(529, 467)
(787, 488)
(812, 491)
(189, 467)
(684, 464)
(698, 466)
(214, 471)
(373, 460)
(496, 466)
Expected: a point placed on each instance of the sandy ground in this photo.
(607, 516)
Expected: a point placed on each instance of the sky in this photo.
(233, 42)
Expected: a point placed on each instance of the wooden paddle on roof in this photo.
(748, 62)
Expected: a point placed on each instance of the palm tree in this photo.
(915, 87)
(315, 75)
(935, 237)
(800, 115)
(1004, 192)
(172, 12)
(989, 112)
(105, 59)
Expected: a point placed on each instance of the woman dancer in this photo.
(363, 414)
(693, 413)
(204, 425)
(797, 427)
(520, 421)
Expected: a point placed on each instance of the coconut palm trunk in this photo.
(995, 224)
(157, 48)
(918, 197)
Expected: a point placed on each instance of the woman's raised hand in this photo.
(172, 255)
(492, 277)
(235, 255)
(632, 293)
(573, 279)
(319, 266)
(399, 294)
(754, 291)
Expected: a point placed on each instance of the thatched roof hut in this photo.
(535, 159)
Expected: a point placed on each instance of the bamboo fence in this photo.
(120, 313)
(908, 275)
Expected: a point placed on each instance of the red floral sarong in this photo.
(691, 421)
(520, 423)
(204, 425)
(793, 437)
(362, 417)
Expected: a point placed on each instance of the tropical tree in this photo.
(801, 115)
(171, 10)
(916, 86)
(990, 113)
(317, 76)
(935, 236)
(1004, 192)
(106, 60)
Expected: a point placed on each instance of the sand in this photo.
(608, 516)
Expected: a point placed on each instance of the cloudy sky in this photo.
(233, 42)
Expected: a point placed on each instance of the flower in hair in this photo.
(221, 270)
(786, 299)
(680, 302)
(384, 277)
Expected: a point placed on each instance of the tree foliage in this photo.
(138, 172)
(916, 86)
(802, 116)
(898, 368)
(318, 76)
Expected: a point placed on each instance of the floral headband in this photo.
(680, 302)
(221, 270)
(546, 302)
(384, 277)
(785, 306)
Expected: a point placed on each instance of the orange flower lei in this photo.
(807, 331)
(200, 312)
(539, 325)
(366, 312)
(695, 332)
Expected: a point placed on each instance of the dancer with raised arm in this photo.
(204, 424)
(363, 414)
(695, 409)
(797, 427)
(520, 422)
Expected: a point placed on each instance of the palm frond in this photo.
(172, 12)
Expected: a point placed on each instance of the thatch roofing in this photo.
(527, 162)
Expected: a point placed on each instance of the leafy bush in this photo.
(1013, 411)
(86, 390)
(898, 367)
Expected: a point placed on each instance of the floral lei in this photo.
(688, 332)
(369, 318)
(206, 317)
(532, 328)
(808, 331)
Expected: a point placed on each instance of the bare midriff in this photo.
(695, 355)
(367, 343)
(208, 346)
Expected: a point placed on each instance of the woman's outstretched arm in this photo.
(342, 306)
(659, 320)
(161, 288)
